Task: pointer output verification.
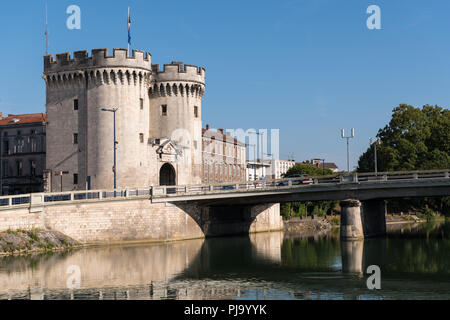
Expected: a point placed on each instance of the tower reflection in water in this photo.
(259, 266)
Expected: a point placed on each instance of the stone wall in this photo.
(114, 221)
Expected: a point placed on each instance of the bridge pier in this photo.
(362, 219)
(351, 222)
(352, 256)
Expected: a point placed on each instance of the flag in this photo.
(129, 27)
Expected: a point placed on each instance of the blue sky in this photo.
(306, 67)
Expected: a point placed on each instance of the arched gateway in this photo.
(167, 175)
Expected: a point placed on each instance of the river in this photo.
(414, 262)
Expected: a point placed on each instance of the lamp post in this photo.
(323, 166)
(375, 153)
(254, 157)
(272, 162)
(348, 152)
(114, 110)
(262, 151)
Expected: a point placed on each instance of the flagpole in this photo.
(129, 26)
(46, 30)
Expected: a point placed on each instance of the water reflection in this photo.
(414, 261)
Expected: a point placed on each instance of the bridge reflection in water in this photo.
(259, 266)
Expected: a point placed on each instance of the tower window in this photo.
(75, 178)
(75, 104)
(141, 101)
(32, 168)
(196, 111)
(141, 137)
(164, 110)
(19, 167)
(75, 138)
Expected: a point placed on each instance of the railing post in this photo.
(316, 181)
(447, 175)
(290, 183)
(341, 179)
(416, 176)
(100, 194)
(355, 177)
(385, 177)
(72, 196)
(9, 201)
(236, 186)
(211, 187)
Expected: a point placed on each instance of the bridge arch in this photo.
(167, 175)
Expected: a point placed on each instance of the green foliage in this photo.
(428, 213)
(309, 169)
(414, 139)
(307, 208)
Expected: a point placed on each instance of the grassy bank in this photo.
(36, 240)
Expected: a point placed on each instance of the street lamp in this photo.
(254, 157)
(375, 153)
(348, 138)
(272, 162)
(323, 166)
(262, 151)
(114, 110)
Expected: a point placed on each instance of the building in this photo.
(158, 120)
(327, 165)
(278, 168)
(155, 113)
(257, 170)
(223, 157)
(22, 153)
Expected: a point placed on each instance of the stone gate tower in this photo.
(158, 120)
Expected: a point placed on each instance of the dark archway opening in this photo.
(167, 175)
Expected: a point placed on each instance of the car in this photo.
(297, 179)
(228, 187)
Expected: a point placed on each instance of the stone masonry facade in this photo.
(116, 221)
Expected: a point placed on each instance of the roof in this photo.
(220, 136)
(330, 165)
(16, 119)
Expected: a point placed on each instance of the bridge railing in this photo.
(39, 199)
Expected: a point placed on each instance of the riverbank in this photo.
(14, 242)
(320, 224)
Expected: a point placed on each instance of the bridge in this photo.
(362, 195)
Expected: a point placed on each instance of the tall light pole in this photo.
(323, 166)
(262, 151)
(114, 110)
(348, 152)
(254, 157)
(375, 153)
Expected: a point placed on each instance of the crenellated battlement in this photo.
(99, 59)
(176, 71)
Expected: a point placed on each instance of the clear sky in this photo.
(306, 67)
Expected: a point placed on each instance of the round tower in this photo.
(176, 113)
(80, 135)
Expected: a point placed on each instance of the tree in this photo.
(414, 139)
(309, 169)
(301, 209)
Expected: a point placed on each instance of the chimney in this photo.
(220, 130)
